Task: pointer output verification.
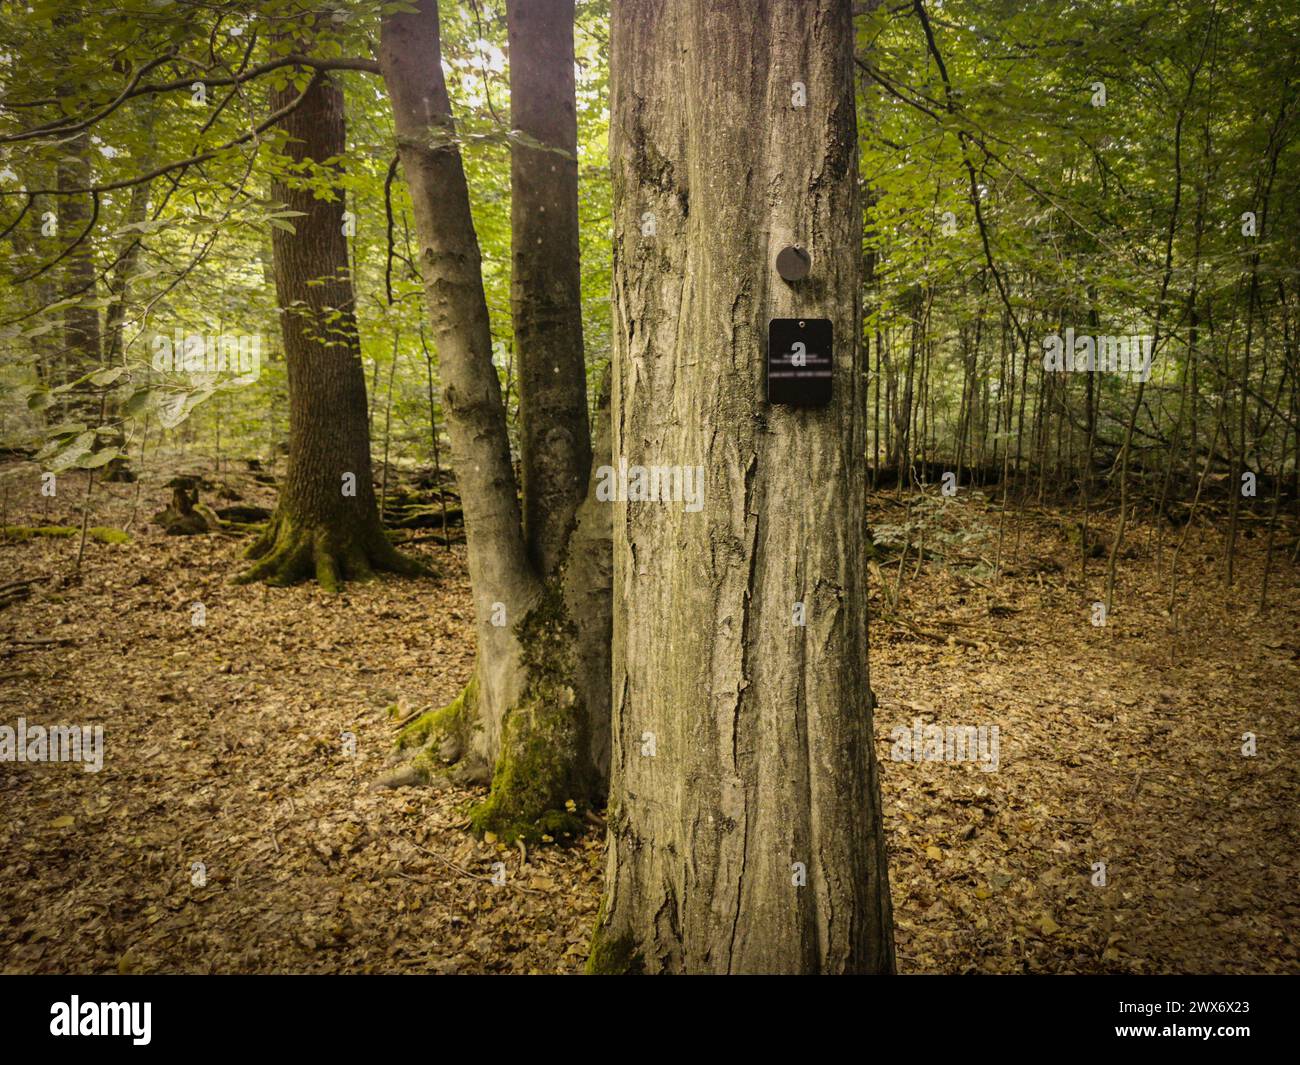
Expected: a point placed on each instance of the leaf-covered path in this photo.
(233, 827)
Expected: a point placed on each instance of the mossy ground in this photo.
(100, 533)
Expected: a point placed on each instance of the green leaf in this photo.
(98, 458)
(70, 455)
(107, 376)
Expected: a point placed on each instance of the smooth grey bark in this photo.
(567, 531)
(761, 728)
(545, 280)
(537, 689)
(588, 596)
(451, 266)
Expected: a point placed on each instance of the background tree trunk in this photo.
(82, 332)
(81, 326)
(762, 769)
(317, 528)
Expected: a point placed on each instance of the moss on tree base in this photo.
(539, 785)
(287, 552)
(438, 739)
(540, 782)
(611, 955)
(454, 722)
(534, 795)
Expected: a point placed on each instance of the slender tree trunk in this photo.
(1252, 303)
(567, 541)
(82, 334)
(1161, 304)
(505, 588)
(433, 436)
(745, 822)
(388, 422)
(545, 285)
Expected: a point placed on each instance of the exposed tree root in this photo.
(286, 553)
(441, 740)
(448, 729)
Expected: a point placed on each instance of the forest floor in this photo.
(233, 826)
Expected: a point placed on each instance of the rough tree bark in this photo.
(82, 331)
(326, 522)
(529, 709)
(742, 741)
(82, 338)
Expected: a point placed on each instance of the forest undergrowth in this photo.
(234, 826)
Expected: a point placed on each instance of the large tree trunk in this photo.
(30, 249)
(526, 711)
(82, 333)
(326, 522)
(742, 741)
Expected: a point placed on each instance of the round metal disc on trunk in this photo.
(793, 263)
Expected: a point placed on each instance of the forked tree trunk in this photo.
(326, 522)
(527, 711)
(745, 822)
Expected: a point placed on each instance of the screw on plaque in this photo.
(793, 263)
